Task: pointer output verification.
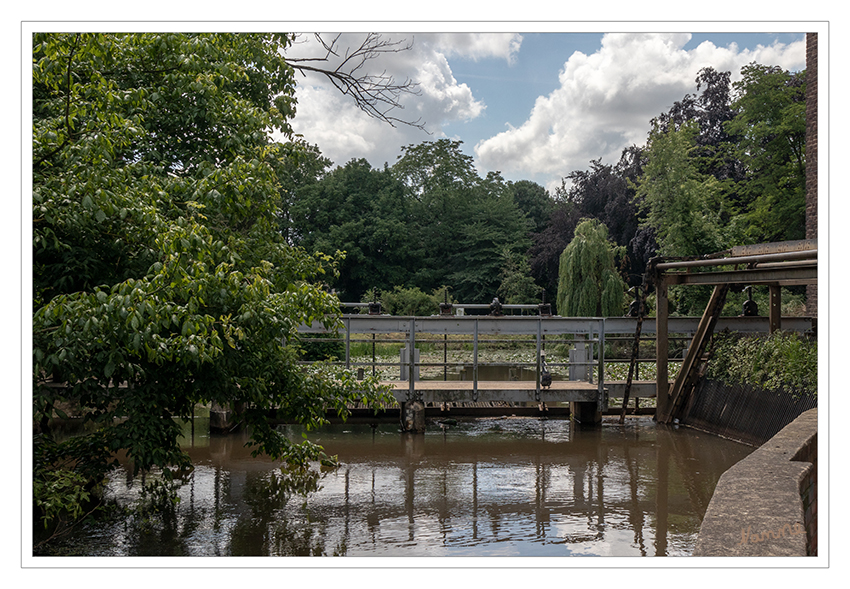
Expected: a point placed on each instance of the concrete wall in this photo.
(766, 505)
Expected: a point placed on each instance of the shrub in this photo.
(782, 360)
(409, 301)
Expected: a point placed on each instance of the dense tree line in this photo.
(722, 167)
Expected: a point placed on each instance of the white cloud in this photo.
(606, 100)
(333, 122)
(476, 46)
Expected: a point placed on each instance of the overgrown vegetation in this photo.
(782, 360)
(161, 276)
(411, 301)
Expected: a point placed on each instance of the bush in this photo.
(409, 301)
(782, 360)
(315, 350)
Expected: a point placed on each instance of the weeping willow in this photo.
(588, 282)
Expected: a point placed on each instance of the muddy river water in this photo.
(493, 487)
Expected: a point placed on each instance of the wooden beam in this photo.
(661, 379)
(686, 379)
(775, 311)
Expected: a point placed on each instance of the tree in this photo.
(589, 285)
(410, 301)
(606, 193)
(362, 212)
(682, 205)
(378, 95)
(161, 278)
(303, 166)
(770, 125)
(517, 286)
(533, 200)
(461, 222)
(493, 225)
(548, 245)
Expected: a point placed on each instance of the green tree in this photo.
(461, 222)
(302, 166)
(362, 212)
(517, 286)
(589, 285)
(161, 278)
(411, 301)
(770, 126)
(493, 224)
(533, 200)
(440, 182)
(682, 205)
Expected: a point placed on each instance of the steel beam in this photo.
(366, 324)
(772, 275)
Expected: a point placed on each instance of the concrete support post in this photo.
(585, 414)
(224, 419)
(662, 380)
(413, 417)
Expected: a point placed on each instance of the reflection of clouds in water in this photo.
(614, 543)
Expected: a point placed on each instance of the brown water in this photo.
(489, 487)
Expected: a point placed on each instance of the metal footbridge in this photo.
(584, 338)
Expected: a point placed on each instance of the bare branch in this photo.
(376, 95)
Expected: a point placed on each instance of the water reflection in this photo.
(492, 487)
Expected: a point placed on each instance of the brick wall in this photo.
(812, 157)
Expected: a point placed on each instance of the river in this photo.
(487, 487)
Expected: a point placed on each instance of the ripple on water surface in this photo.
(489, 487)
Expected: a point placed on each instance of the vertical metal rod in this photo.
(347, 322)
(539, 339)
(475, 361)
(601, 379)
(445, 362)
(662, 381)
(775, 307)
(412, 358)
(373, 354)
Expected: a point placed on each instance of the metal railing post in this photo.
(601, 370)
(539, 337)
(412, 359)
(475, 361)
(347, 322)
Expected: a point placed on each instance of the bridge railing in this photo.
(481, 330)
(477, 331)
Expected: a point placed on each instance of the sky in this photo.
(533, 106)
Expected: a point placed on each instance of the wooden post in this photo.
(661, 378)
(775, 312)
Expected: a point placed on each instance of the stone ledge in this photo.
(756, 508)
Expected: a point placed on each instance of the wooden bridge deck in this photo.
(516, 391)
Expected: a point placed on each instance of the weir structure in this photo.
(775, 265)
(587, 396)
(588, 392)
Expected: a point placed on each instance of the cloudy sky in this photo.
(534, 106)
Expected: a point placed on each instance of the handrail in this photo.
(550, 328)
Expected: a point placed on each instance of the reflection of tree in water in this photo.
(276, 526)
